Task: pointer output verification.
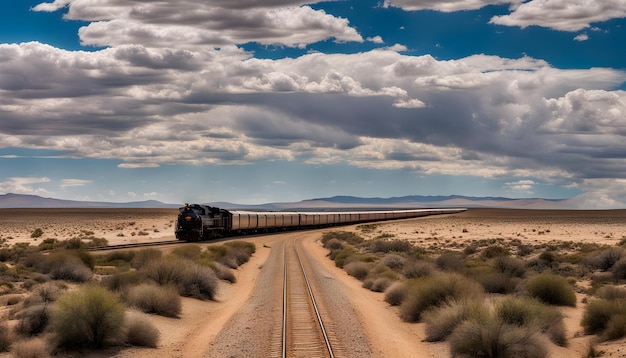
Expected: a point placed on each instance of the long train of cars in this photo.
(203, 222)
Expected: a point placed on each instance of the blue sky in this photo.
(285, 100)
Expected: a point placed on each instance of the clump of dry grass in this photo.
(150, 298)
(551, 289)
(32, 348)
(139, 331)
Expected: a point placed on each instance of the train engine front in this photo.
(201, 222)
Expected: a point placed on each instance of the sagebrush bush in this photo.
(222, 272)
(450, 261)
(6, 338)
(32, 320)
(599, 312)
(494, 339)
(64, 265)
(551, 289)
(526, 311)
(120, 280)
(394, 261)
(429, 292)
(493, 251)
(89, 317)
(605, 259)
(357, 269)
(497, 282)
(189, 251)
(619, 269)
(349, 237)
(32, 348)
(378, 284)
(198, 282)
(509, 265)
(145, 256)
(340, 256)
(150, 298)
(333, 244)
(139, 331)
(416, 269)
(441, 321)
(396, 293)
(611, 292)
(386, 246)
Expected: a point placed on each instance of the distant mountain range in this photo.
(332, 203)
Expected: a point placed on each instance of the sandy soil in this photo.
(191, 335)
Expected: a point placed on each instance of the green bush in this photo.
(36, 233)
(493, 251)
(450, 261)
(511, 266)
(611, 292)
(140, 331)
(223, 272)
(386, 246)
(149, 298)
(377, 284)
(441, 321)
(89, 317)
(497, 282)
(551, 289)
(494, 339)
(429, 292)
(333, 244)
(340, 256)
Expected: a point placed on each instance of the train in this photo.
(197, 222)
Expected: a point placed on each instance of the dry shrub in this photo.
(32, 320)
(223, 273)
(199, 282)
(429, 292)
(511, 266)
(349, 237)
(529, 312)
(120, 280)
(64, 265)
(551, 289)
(441, 321)
(493, 251)
(145, 256)
(188, 251)
(6, 338)
(89, 317)
(451, 261)
(386, 246)
(497, 282)
(394, 261)
(605, 259)
(341, 256)
(33, 348)
(191, 279)
(333, 244)
(357, 269)
(599, 312)
(611, 292)
(378, 284)
(140, 331)
(619, 269)
(396, 293)
(232, 254)
(160, 300)
(492, 338)
(416, 269)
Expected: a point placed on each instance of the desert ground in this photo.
(205, 325)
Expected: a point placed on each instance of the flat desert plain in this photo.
(192, 334)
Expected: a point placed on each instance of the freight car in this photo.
(203, 222)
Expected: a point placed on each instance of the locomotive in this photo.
(202, 222)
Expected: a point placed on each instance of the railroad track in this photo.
(303, 330)
(133, 245)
